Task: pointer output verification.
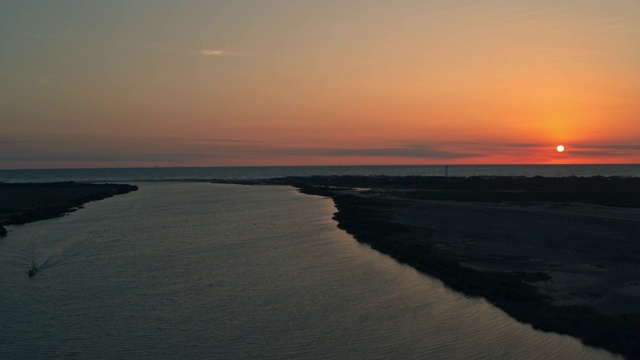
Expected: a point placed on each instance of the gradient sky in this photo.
(327, 82)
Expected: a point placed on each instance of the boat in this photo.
(33, 270)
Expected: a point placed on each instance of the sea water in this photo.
(207, 271)
(205, 173)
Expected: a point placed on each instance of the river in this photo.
(197, 270)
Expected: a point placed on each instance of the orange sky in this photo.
(300, 82)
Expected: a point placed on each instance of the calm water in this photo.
(181, 173)
(196, 270)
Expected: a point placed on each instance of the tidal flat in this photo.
(561, 254)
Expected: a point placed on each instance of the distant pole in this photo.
(446, 170)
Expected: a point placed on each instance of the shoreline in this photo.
(22, 203)
(556, 253)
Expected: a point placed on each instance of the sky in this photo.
(327, 82)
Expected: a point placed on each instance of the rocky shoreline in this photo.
(21, 203)
(594, 219)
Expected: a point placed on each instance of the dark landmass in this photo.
(562, 254)
(22, 203)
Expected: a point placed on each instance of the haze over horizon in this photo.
(351, 82)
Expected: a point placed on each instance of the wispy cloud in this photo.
(609, 146)
(228, 140)
(604, 150)
(221, 52)
(255, 148)
(600, 154)
(214, 140)
(408, 151)
(149, 157)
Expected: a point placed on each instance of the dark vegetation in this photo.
(598, 190)
(22, 203)
(366, 220)
(369, 221)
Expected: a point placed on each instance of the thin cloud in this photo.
(479, 144)
(483, 149)
(411, 151)
(603, 150)
(206, 52)
(608, 146)
(229, 140)
(262, 148)
(220, 53)
(106, 158)
(214, 140)
(599, 153)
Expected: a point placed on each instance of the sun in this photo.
(560, 148)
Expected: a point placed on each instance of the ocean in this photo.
(204, 173)
(193, 270)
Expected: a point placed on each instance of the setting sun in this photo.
(560, 148)
(318, 83)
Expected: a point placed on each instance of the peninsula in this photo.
(22, 203)
(561, 254)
